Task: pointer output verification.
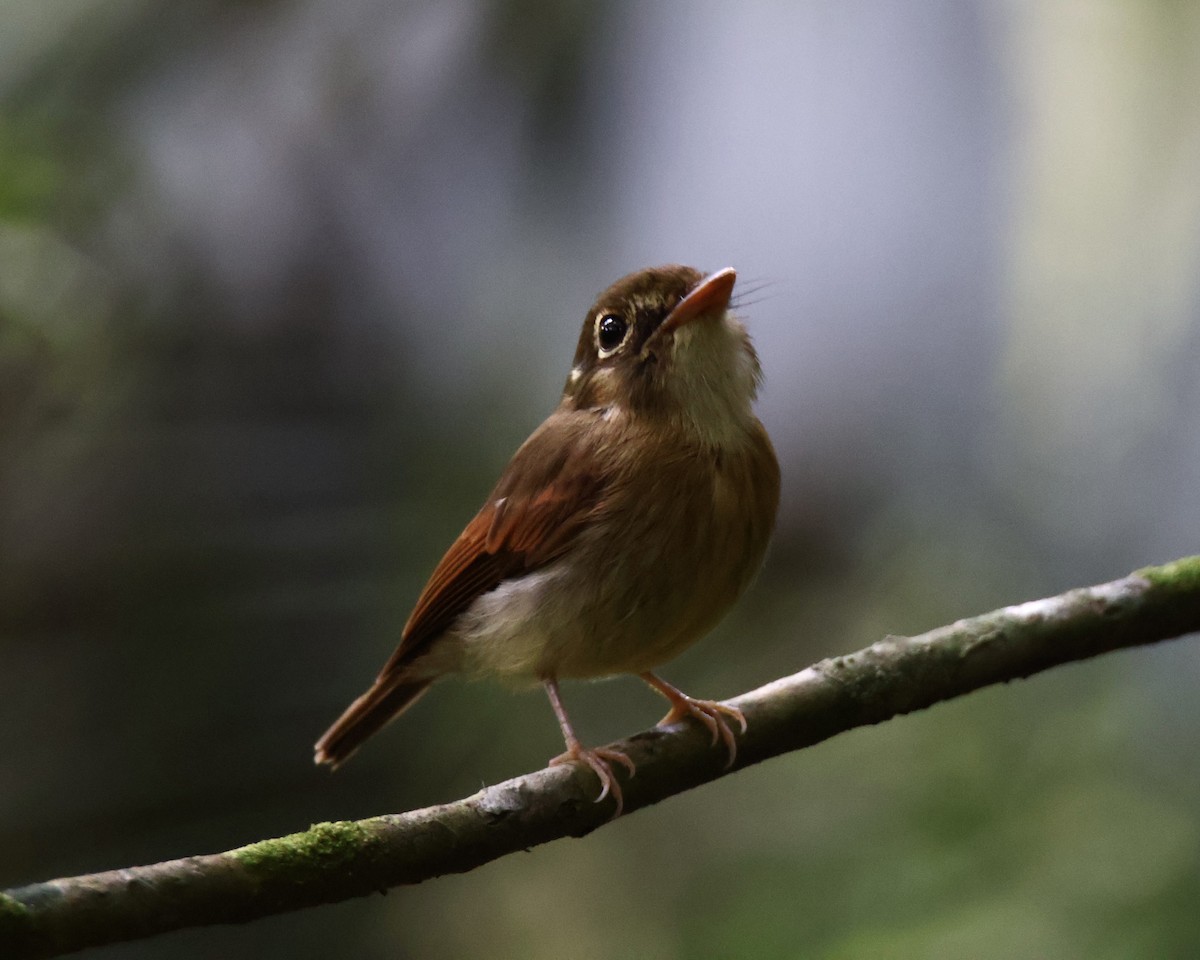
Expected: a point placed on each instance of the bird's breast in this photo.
(665, 555)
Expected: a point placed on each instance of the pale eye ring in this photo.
(611, 331)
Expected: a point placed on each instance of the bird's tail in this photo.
(385, 701)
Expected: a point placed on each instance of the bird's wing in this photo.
(544, 496)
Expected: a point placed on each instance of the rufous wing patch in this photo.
(537, 509)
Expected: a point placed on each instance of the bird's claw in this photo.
(601, 759)
(714, 717)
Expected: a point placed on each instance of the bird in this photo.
(621, 531)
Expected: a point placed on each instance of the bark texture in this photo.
(331, 862)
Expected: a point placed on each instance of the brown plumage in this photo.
(620, 532)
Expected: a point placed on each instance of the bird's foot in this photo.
(600, 759)
(715, 717)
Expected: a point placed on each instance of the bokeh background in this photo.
(283, 284)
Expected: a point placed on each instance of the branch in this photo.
(336, 861)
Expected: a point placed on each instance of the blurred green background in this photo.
(282, 285)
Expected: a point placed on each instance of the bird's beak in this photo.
(711, 295)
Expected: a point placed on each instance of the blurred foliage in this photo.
(273, 314)
(33, 177)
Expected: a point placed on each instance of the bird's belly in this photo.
(613, 604)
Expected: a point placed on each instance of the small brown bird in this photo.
(621, 531)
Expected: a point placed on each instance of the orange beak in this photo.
(711, 295)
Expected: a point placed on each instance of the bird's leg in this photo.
(710, 713)
(600, 759)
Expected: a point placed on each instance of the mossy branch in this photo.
(336, 861)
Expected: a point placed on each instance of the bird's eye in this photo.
(610, 333)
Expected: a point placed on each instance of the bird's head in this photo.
(661, 344)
